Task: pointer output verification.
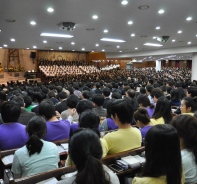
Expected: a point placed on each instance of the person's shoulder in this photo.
(147, 180)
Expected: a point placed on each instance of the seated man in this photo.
(12, 134)
(127, 137)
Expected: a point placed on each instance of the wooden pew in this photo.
(108, 160)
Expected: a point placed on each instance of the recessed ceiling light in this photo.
(83, 49)
(51, 49)
(120, 51)
(189, 42)
(44, 41)
(103, 50)
(73, 50)
(153, 44)
(154, 37)
(95, 17)
(189, 18)
(132, 34)
(130, 22)
(105, 31)
(27, 48)
(157, 27)
(161, 11)
(60, 48)
(118, 46)
(0, 30)
(34, 47)
(33, 23)
(12, 40)
(173, 40)
(136, 48)
(56, 35)
(97, 45)
(111, 40)
(143, 7)
(124, 2)
(50, 10)
(179, 31)
(73, 43)
(92, 50)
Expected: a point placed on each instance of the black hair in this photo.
(131, 93)
(83, 105)
(47, 109)
(192, 91)
(142, 115)
(186, 126)
(28, 101)
(88, 162)
(36, 129)
(162, 153)
(163, 109)
(51, 94)
(175, 95)
(106, 92)
(40, 96)
(142, 90)
(86, 94)
(72, 101)
(169, 88)
(116, 95)
(144, 100)
(123, 109)
(98, 99)
(157, 92)
(62, 95)
(10, 112)
(191, 102)
(2, 96)
(109, 105)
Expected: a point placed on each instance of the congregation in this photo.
(140, 107)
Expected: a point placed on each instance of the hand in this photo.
(72, 111)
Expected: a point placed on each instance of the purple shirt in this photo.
(57, 130)
(73, 127)
(12, 135)
(150, 111)
(111, 124)
(144, 130)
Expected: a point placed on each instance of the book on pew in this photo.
(63, 148)
(49, 181)
(131, 161)
(140, 159)
(8, 159)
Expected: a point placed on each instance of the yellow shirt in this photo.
(189, 113)
(123, 140)
(157, 121)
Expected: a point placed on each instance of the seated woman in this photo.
(188, 105)
(127, 137)
(186, 127)
(163, 158)
(56, 129)
(108, 123)
(38, 155)
(162, 114)
(86, 152)
(144, 101)
(142, 120)
(175, 100)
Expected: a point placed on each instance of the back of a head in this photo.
(10, 112)
(190, 102)
(192, 91)
(174, 95)
(51, 94)
(109, 105)
(123, 109)
(62, 95)
(142, 115)
(86, 94)
(106, 92)
(186, 126)
(28, 101)
(162, 152)
(83, 105)
(47, 109)
(142, 90)
(18, 100)
(116, 95)
(72, 101)
(88, 162)
(98, 99)
(143, 100)
(40, 96)
(131, 93)
(157, 92)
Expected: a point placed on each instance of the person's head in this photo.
(142, 90)
(51, 94)
(36, 129)
(162, 153)
(10, 112)
(72, 101)
(109, 105)
(62, 95)
(18, 100)
(143, 101)
(156, 93)
(47, 109)
(163, 109)
(84, 105)
(88, 162)
(106, 92)
(98, 100)
(168, 89)
(175, 95)
(191, 91)
(186, 127)
(141, 117)
(86, 94)
(122, 111)
(188, 105)
(130, 93)
(39, 96)
(116, 95)
(2, 96)
(28, 101)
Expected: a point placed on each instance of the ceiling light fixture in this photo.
(124, 2)
(27, 48)
(103, 50)
(189, 18)
(5, 45)
(34, 47)
(73, 43)
(92, 50)
(136, 48)
(95, 17)
(189, 43)
(83, 49)
(157, 27)
(44, 41)
(173, 40)
(130, 22)
(161, 11)
(154, 37)
(179, 32)
(105, 31)
(56, 35)
(60, 48)
(51, 49)
(12, 40)
(73, 50)
(33, 23)
(50, 10)
(132, 34)
(97, 45)
(111, 40)
(153, 44)
(120, 51)
(118, 46)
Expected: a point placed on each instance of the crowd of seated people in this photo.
(110, 67)
(124, 98)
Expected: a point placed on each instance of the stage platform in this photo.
(14, 76)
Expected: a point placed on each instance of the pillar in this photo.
(194, 66)
(158, 65)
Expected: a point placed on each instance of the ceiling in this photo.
(112, 15)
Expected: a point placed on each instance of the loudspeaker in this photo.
(33, 55)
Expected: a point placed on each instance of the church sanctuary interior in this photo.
(98, 91)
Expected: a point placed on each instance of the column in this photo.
(158, 65)
(194, 66)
